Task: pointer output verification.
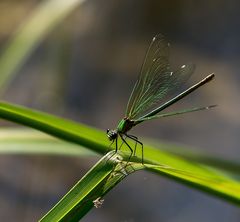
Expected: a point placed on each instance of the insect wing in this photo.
(156, 80)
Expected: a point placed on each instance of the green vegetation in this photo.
(64, 137)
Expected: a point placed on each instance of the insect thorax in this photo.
(124, 125)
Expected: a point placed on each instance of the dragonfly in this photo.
(155, 83)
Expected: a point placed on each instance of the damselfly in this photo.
(155, 82)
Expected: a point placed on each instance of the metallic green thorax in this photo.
(125, 125)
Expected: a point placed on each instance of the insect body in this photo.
(155, 82)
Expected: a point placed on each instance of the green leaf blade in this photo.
(32, 142)
(58, 127)
(42, 20)
(105, 175)
(213, 180)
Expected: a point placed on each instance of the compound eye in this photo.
(108, 130)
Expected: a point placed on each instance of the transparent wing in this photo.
(156, 79)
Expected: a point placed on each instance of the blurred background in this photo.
(84, 69)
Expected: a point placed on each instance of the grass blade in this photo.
(108, 172)
(201, 176)
(45, 17)
(58, 127)
(27, 141)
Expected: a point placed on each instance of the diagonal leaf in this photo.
(89, 191)
(58, 127)
(201, 176)
(42, 20)
(197, 156)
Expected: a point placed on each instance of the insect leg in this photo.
(137, 142)
(121, 144)
(124, 140)
(134, 138)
